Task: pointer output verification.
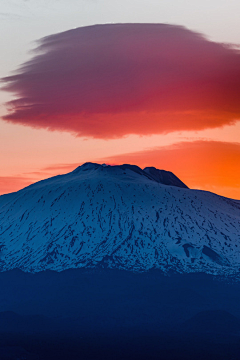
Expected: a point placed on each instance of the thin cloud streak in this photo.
(206, 165)
(107, 81)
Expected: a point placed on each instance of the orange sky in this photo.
(201, 164)
(150, 95)
(207, 165)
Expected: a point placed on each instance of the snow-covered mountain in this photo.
(119, 217)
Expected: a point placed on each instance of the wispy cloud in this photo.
(202, 164)
(10, 16)
(207, 165)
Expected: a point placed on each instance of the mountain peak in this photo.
(86, 166)
(150, 173)
(119, 217)
(165, 177)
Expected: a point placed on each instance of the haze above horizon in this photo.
(163, 92)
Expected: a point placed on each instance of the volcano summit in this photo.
(119, 217)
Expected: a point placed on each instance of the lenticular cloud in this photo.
(111, 80)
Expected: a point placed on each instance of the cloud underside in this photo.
(108, 81)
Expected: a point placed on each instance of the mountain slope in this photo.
(119, 217)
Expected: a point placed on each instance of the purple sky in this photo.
(177, 97)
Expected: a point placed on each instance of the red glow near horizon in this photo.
(109, 81)
(206, 165)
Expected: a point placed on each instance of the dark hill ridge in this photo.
(119, 217)
(214, 321)
(110, 314)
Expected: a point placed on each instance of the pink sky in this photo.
(108, 81)
(151, 94)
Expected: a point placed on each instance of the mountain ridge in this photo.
(118, 217)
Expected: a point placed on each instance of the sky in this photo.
(152, 83)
